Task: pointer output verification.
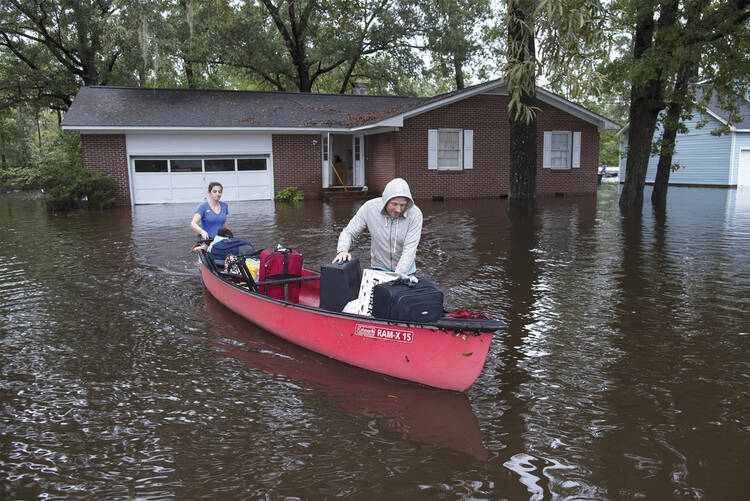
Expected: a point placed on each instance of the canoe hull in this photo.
(424, 354)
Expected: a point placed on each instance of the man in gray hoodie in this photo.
(395, 226)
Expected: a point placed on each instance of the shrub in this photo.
(291, 194)
(60, 174)
(75, 187)
(21, 178)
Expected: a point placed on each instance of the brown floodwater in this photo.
(624, 373)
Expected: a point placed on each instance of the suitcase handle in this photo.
(410, 281)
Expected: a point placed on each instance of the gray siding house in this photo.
(706, 159)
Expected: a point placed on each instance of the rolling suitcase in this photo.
(279, 264)
(407, 301)
(339, 284)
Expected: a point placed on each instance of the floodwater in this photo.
(624, 373)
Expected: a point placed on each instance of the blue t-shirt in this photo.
(212, 222)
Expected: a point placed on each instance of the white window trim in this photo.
(465, 149)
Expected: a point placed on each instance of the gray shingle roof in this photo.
(744, 112)
(143, 107)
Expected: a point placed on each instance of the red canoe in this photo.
(448, 354)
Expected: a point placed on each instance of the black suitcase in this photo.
(339, 284)
(406, 301)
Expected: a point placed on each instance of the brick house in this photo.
(166, 145)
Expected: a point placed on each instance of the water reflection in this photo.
(443, 418)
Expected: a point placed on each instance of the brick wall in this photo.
(107, 153)
(487, 117)
(380, 160)
(297, 162)
(571, 181)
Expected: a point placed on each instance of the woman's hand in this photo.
(204, 235)
(342, 256)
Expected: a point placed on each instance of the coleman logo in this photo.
(383, 333)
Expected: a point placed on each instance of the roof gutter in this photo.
(260, 130)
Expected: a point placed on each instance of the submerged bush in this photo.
(75, 187)
(291, 194)
(62, 178)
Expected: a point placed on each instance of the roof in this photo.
(137, 108)
(714, 108)
(134, 107)
(744, 112)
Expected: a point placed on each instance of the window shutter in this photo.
(432, 149)
(468, 149)
(576, 150)
(547, 148)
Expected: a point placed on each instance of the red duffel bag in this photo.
(280, 264)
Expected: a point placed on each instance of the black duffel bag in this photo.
(407, 301)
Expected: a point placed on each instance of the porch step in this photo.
(352, 193)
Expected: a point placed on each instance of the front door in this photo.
(358, 148)
(343, 160)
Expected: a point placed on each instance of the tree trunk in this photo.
(645, 105)
(674, 110)
(189, 75)
(523, 137)
(459, 72)
(661, 183)
(643, 116)
(522, 196)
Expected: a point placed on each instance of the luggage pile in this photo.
(378, 293)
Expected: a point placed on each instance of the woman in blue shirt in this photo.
(211, 215)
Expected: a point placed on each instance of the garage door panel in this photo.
(152, 196)
(188, 194)
(254, 185)
(151, 181)
(188, 180)
(225, 178)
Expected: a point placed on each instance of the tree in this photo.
(450, 28)
(63, 44)
(291, 44)
(567, 29)
(15, 143)
(668, 38)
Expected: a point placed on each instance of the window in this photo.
(193, 164)
(219, 164)
(325, 148)
(150, 165)
(450, 149)
(562, 149)
(356, 148)
(251, 164)
(186, 165)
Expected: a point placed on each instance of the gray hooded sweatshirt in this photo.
(394, 241)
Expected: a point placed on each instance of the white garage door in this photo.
(185, 179)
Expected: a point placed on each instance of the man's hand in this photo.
(342, 256)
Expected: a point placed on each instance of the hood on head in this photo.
(396, 188)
